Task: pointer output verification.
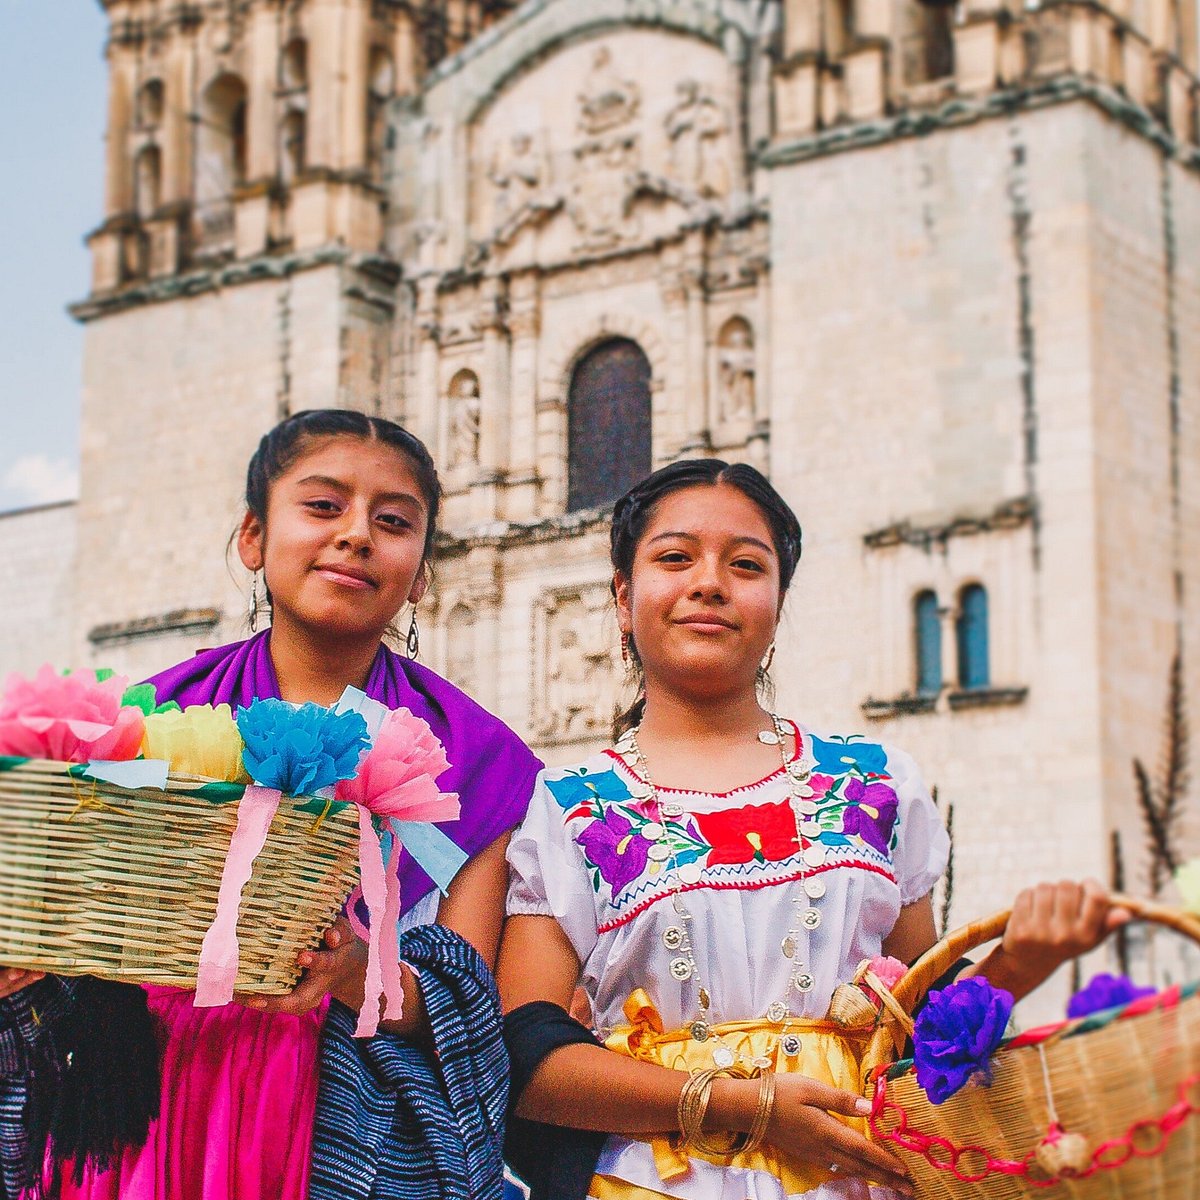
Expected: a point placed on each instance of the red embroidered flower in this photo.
(756, 833)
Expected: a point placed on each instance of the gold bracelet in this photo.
(762, 1118)
(693, 1108)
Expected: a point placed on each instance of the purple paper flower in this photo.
(613, 848)
(957, 1032)
(1105, 991)
(871, 813)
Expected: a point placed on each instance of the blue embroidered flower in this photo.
(300, 749)
(840, 758)
(573, 789)
(1105, 991)
(957, 1033)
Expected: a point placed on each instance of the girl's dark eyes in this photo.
(395, 521)
(321, 506)
(748, 564)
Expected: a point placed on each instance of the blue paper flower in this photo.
(300, 749)
(956, 1035)
(1105, 991)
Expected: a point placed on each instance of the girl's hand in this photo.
(801, 1126)
(13, 980)
(1051, 924)
(338, 971)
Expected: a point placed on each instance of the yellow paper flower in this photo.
(1187, 880)
(200, 740)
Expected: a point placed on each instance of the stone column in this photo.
(262, 75)
(522, 433)
(425, 404)
(494, 389)
(118, 174)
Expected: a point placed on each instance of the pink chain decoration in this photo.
(972, 1164)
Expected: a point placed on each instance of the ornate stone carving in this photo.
(606, 101)
(735, 371)
(517, 173)
(602, 189)
(466, 411)
(576, 665)
(698, 130)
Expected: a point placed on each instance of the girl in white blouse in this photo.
(710, 880)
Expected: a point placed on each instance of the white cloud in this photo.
(38, 479)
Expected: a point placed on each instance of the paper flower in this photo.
(300, 749)
(199, 740)
(956, 1034)
(70, 718)
(1187, 880)
(396, 776)
(889, 972)
(1105, 991)
(144, 696)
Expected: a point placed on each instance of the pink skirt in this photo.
(238, 1100)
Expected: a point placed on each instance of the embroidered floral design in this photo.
(582, 787)
(839, 757)
(871, 813)
(614, 848)
(755, 833)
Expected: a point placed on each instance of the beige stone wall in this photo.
(37, 547)
(175, 398)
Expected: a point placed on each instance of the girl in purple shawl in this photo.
(340, 520)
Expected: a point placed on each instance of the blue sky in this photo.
(52, 94)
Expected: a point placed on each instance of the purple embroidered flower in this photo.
(957, 1032)
(1105, 991)
(611, 846)
(871, 813)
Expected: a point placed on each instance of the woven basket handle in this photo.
(938, 959)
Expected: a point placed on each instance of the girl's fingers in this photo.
(831, 1099)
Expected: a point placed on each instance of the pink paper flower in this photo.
(889, 970)
(69, 718)
(396, 776)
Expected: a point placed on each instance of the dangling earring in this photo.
(768, 660)
(625, 647)
(412, 643)
(252, 615)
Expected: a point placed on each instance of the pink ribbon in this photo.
(219, 951)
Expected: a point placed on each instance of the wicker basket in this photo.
(101, 880)
(1118, 1093)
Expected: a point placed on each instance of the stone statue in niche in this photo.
(466, 414)
(517, 173)
(606, 100)
(698, 131)
(735, 371)
(579, 670)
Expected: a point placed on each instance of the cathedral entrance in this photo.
(608, 423)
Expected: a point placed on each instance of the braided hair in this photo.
(634, 510)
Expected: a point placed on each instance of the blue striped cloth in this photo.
(400, 1119)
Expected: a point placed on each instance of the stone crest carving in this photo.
(735, 371)
(575, 670)
(698, 131)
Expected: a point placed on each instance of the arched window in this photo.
(381, 85)
(220, 157)
(292, 146)
(971, 632)
(147, 181)
(927, 43)
(927, 625)
(293, 65)
(608, 424)
(149, 108)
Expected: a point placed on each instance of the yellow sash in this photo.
(827, 1054)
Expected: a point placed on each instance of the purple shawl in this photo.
(491, 769)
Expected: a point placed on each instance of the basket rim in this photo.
(215, 791)
(1167, 998)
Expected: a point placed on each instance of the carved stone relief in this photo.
(576, 670)
(518, 172)
(698, 129)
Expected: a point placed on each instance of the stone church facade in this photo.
(936, 269)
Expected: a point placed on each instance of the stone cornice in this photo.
(180, 620)
(1011, 514)
(963, 110)
(379, 268)
(504, 535)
